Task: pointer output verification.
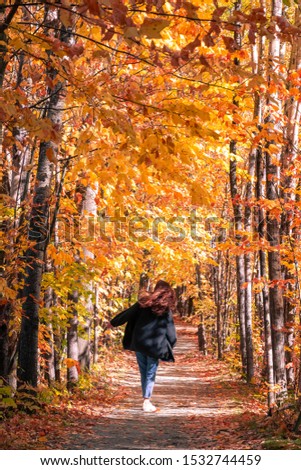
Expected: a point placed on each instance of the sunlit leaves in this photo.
(153, 94)
(153, 27)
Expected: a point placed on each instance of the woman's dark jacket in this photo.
(146, 332)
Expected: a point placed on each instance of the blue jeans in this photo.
(148, 367)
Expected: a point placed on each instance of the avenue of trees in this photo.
(143, 140)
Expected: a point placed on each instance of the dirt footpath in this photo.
(201, 405)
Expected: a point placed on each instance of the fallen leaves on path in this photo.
(202, 404)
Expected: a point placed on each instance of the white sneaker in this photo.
(148, 406)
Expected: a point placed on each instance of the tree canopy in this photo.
(143, 140)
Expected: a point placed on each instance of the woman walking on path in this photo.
(150, 332)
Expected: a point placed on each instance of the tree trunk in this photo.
(289, 183)
(72, 344)
(240, 263)
(49, 353)
(95, 328)
(28, 346)
(57, 344)
(238, 223)
(89, 214)
(248, 270)
(144, 281)
(263, 274)
(202, 341)
(38, 233)
(263, 300)
(4, 340)
(273, 228)
(221, 288)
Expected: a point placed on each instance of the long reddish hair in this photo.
(163, 298)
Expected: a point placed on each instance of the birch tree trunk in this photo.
(38, 230)
(72, 344)
(202, 341)
(238, 223)
(96, 323)
(289, 186)
(89, 212)
(273, 226)
(248, 270)
(260, 193)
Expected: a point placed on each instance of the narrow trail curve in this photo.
(200, 406)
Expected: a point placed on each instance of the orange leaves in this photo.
(51, 155)
(281, 283)
(190, 47)
(230, 43)
(295, 92)
(199, 195)
(76, 49)
(256, 15)
(152, 27)
(66, 14)
(72, 363)
(93, 7)
(61, 48)
(189, 7)
(60, 257)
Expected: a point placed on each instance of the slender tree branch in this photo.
(10, 15)
(98, 43)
